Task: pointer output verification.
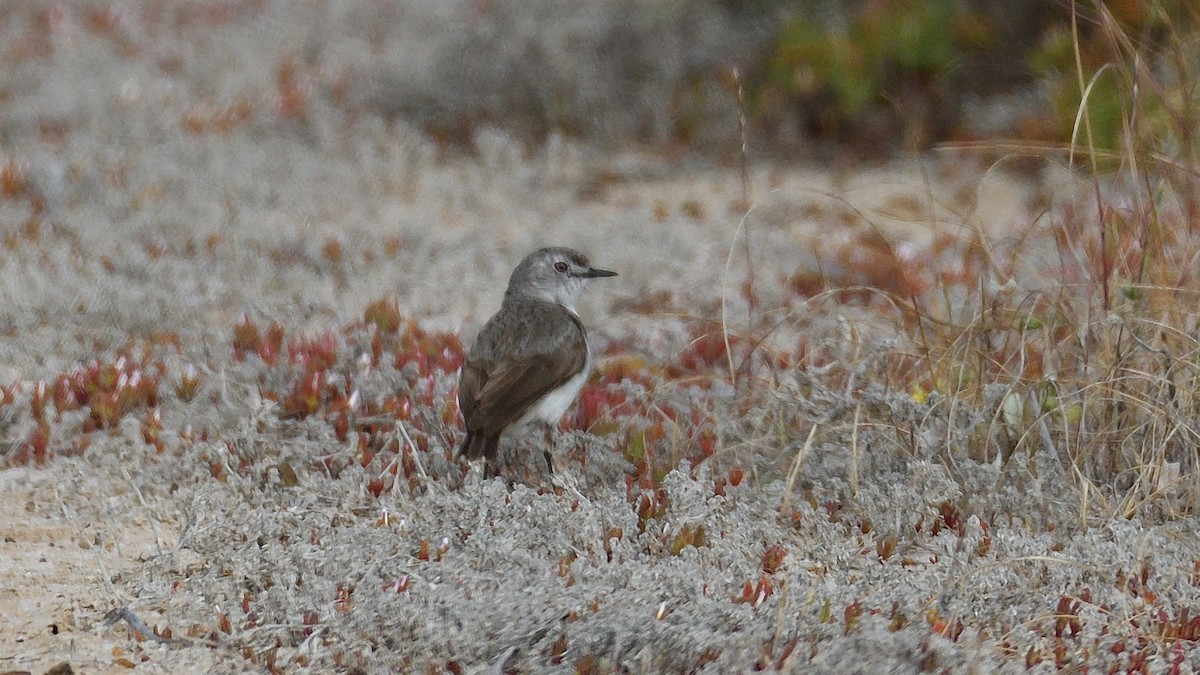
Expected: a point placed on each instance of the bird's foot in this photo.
(565, 483)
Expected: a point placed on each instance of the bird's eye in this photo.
(560, 267)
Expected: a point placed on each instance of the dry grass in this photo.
(1076, 338)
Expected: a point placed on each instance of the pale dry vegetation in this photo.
(823, 435)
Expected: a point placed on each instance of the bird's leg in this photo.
(549, 448)
(491, 468)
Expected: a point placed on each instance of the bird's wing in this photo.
(499, 393)
(470, 381)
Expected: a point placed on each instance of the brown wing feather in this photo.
(494, 392)
(514, 388)
(470, 382)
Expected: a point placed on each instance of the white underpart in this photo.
(552, 406)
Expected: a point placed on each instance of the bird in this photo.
(530, 359)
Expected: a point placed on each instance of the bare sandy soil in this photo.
(174, 168)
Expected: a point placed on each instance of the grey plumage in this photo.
(531, 358)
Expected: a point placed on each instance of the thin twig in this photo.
(795, 471)
(125, 614)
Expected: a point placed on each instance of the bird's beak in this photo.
(592, 273)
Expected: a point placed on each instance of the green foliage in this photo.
(859, 65)
(893, 71)
(1096, 76)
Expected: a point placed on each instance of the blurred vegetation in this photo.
(891, 65)
(870, 76)
(1137, 64)
(891, 74)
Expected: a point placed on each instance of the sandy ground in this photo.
(138, 220)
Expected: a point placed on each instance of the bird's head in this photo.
(553, 274)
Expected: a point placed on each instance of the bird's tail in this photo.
(477, 445)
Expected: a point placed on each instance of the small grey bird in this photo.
(530, 359)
